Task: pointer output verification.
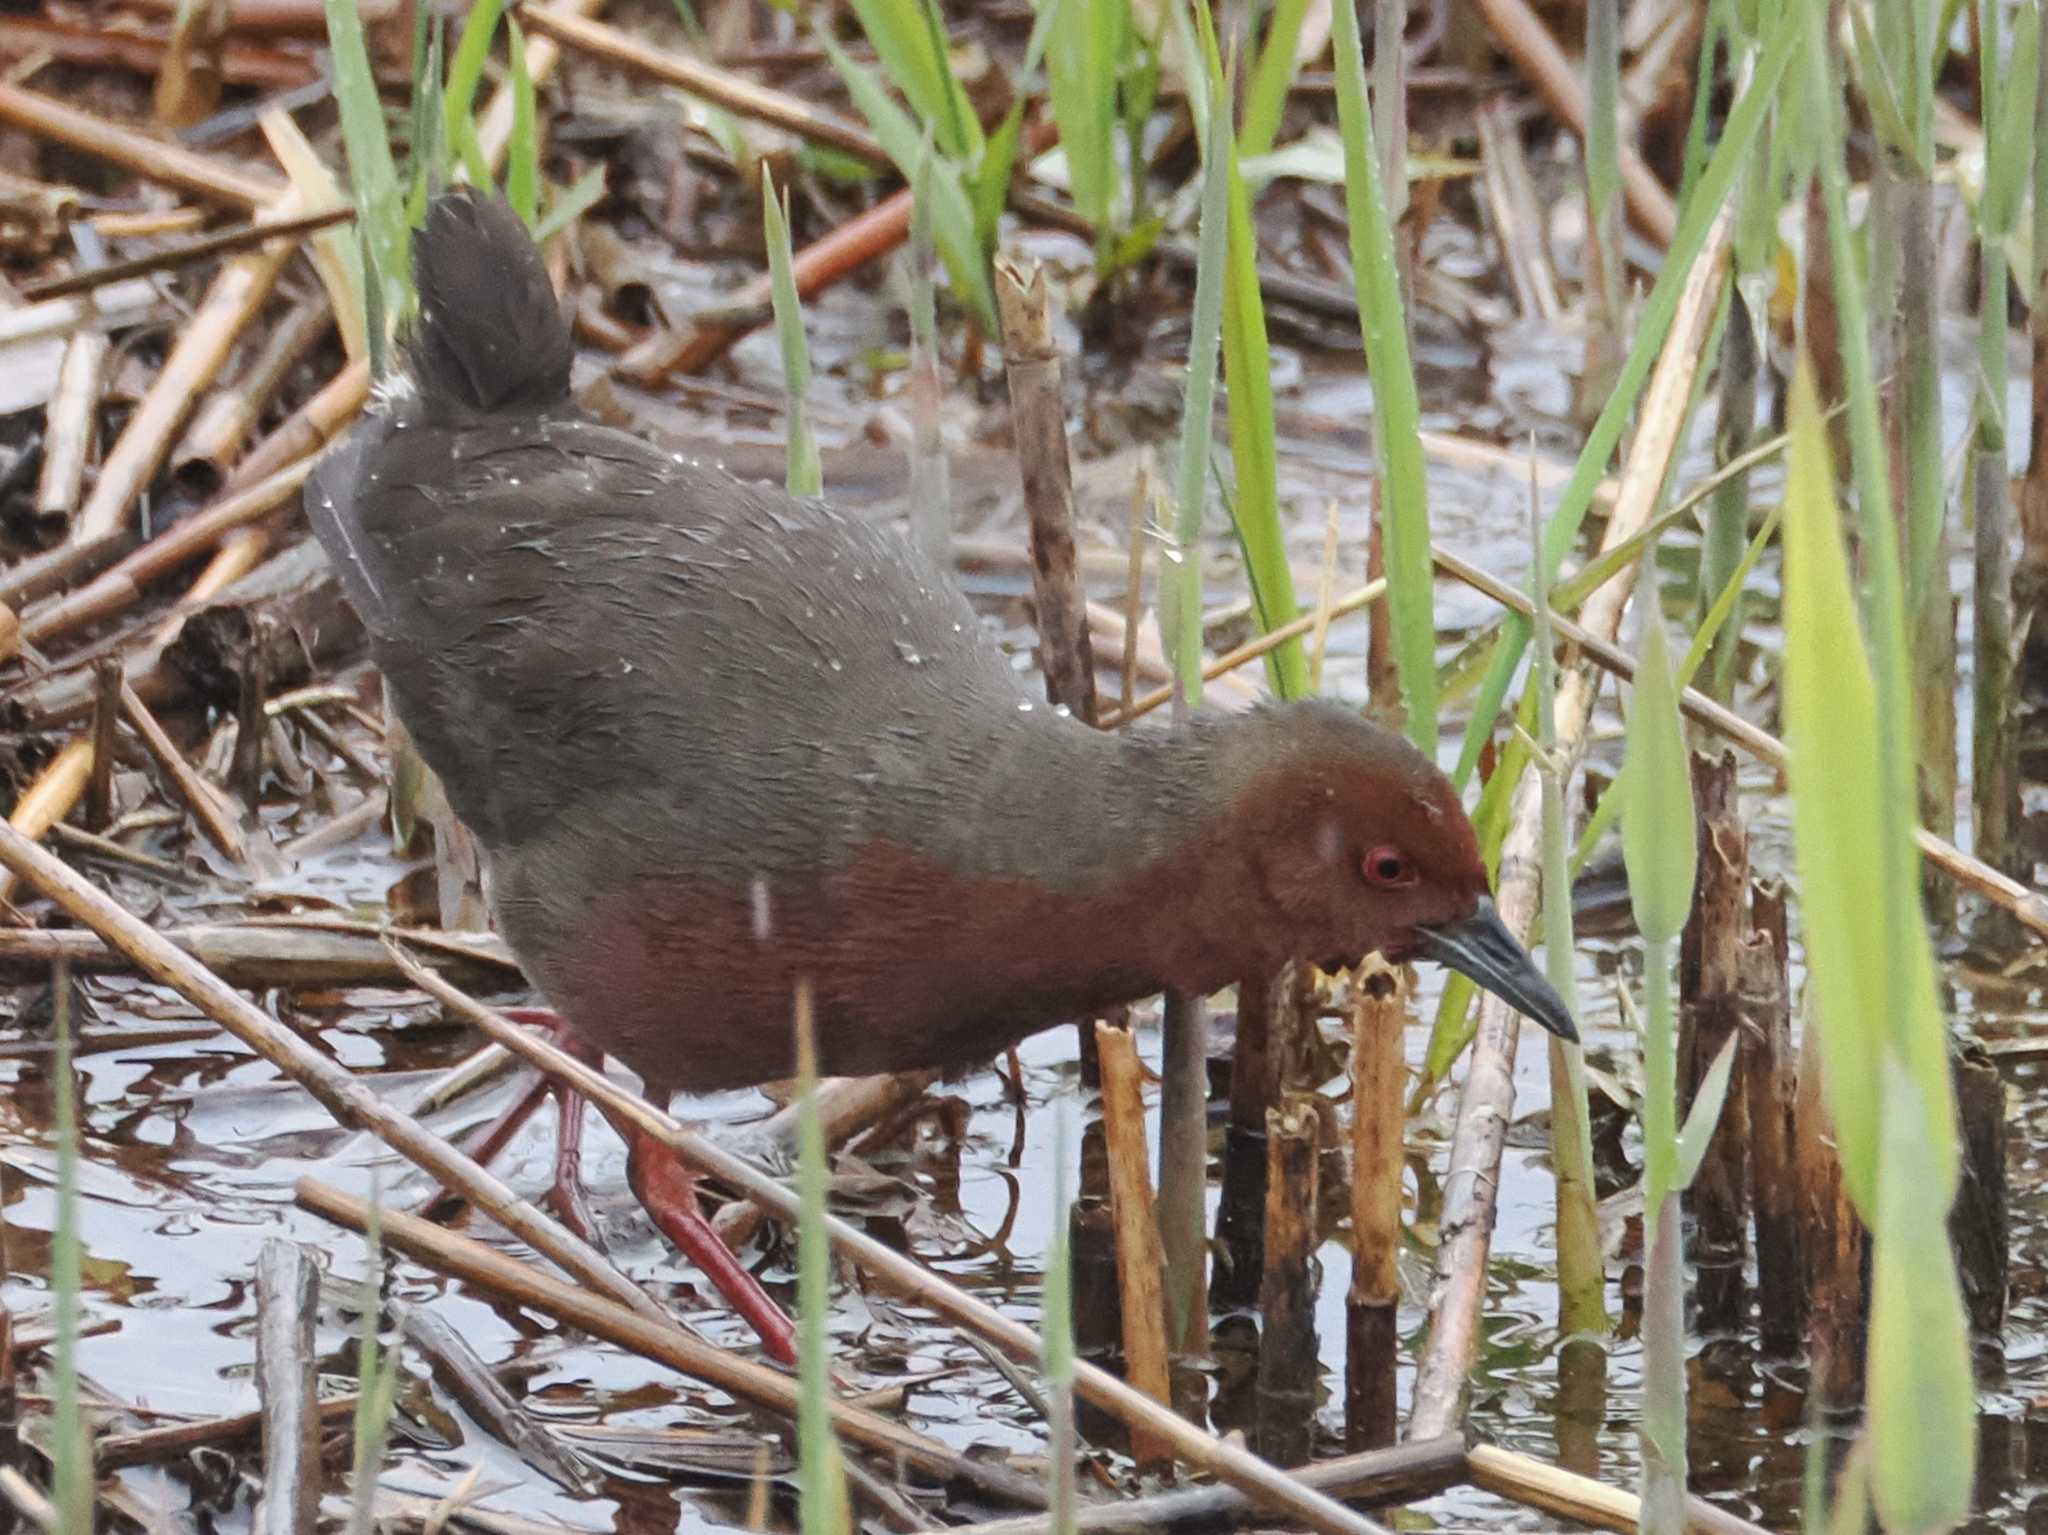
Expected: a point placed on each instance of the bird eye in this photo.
(1385, 866)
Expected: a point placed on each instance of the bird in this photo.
(716, 741)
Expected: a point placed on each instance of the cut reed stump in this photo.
(1140, 1263)
(1379, 1012)
(287, 1302)
(1979, 1224)
(1833, 1242)
(1288, 1365)
(1709, 989)
(1770, 1082)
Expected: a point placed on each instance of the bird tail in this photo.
(490, 335)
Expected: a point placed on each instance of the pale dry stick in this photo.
(348, 1100)
(1526, 39)
(1536, 1484)
(125, 304)
(223, 422)
(1266, 1484)
(1252, 649)
(1471, 1185)
(22, 1495)
(1140, 1260)
(232, 300)
(287, 1306)
(1517, 223)
(49, 799)
(152, 158)
(2027, 906)
(68, 429)
(254, 955)
(489, 1270)
(200, 797)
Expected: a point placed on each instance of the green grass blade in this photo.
(1082, 49)
(1273, 78)
(909, 38)
(522, 154)
(571, 204)
(805, 475)
(1738, 137)
(953, 217)
(377, 1380)
(465, 71)
(1248, 366)
(373, 177)
(70, 1445)
(1657, 838)
(1180, 594)
(1058, 1311)
(1397, 406)
(821, 1480)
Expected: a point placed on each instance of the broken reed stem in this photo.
(262, 954)
(1710, 1016)
(350, 1101)
(1140, 1263)
(1191, 1444)
(232, 301)
(2028, 907)
(1038, 418)
(69, 429)
(224, 242)
(1773, 1089)
(287, 1302)
(222, 424)
(308, 429)
(1486, 1104)
(50, 798)
(655, 1337)
(1289, 1364)
(1979, 1221)
(1379, 1072)
(1241, 1201)
(1832, 1241)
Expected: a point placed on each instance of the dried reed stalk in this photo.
(223, 423)
(68, 430)
(231, 303)
(1289, 1361)
(660, 1340)
(50, 798)
(1140, 1261)
(1583, 1500)
(153, 159)
(1192, 1445)
(207, 804)
(287, 1306)
(1379, 1070)
(1486, 1104)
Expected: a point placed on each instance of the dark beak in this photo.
(1481, 947)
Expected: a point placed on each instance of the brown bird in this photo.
(715, 739)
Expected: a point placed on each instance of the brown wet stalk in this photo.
(140, 50)
(1485, 1107)
(1379, 1074)
(906, 1277)
(1710, 1019)
(186, 253)
(174, 1441)
(1772, 1082)
(1240, 1244)
(478, 1391)
(287, 1305)
(106, 711)
(1140, 1262)
(490, 1271)
(207, 804)
(146, 155)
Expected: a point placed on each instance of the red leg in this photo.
(669, 1191)
(566, 1195)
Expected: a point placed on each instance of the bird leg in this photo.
(565, 1192)
(668, 1190)
(661, 1183)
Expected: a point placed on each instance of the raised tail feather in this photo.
(490, 335)
(489, 339)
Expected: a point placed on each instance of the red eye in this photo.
(1385, 866)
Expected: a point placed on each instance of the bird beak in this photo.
(1481, 947)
